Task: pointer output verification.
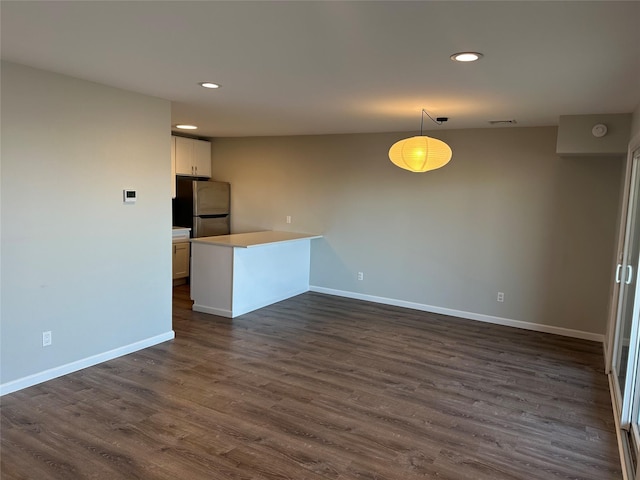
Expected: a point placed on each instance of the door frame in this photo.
(624, 441)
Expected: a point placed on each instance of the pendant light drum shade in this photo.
(420, 154)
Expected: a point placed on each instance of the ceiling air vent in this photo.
(502, 122)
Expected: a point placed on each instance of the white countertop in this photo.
(180, 234)
(254, 239)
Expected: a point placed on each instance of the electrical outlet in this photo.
(46, 339)
(360, 276)
(288, 218)
(500, 297)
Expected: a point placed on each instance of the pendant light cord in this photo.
(437, 121)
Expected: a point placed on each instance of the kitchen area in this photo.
(201, 207)
(228, 274)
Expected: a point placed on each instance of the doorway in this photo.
(625, 354)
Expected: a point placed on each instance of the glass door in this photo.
(625, 359)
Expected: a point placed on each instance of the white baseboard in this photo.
(242, 309)
(221, 312)
(566, 332)
(28, 381)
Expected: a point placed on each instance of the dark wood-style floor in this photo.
(321, 387)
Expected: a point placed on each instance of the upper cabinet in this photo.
(202, 158)
(193, 157)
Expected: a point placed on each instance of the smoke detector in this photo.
(599, 130)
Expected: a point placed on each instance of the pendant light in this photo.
(421, 153)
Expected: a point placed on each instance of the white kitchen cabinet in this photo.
(202, 158)
(181, 253)
(184, 156)
(193, 157)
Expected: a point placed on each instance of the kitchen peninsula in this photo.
(235, 274)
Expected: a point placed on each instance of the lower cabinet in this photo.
(180, 262)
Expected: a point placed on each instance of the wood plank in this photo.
(323, 387)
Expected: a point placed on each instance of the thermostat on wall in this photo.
(129, 196)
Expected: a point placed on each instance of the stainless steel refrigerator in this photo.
(202, 206)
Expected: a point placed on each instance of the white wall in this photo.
(635, 122)
(507, 214)
(575, 134)
(75, 260)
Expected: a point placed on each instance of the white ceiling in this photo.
(341, 67)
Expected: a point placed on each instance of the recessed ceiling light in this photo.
(209, 85)
(466, 56)
(187, 127)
